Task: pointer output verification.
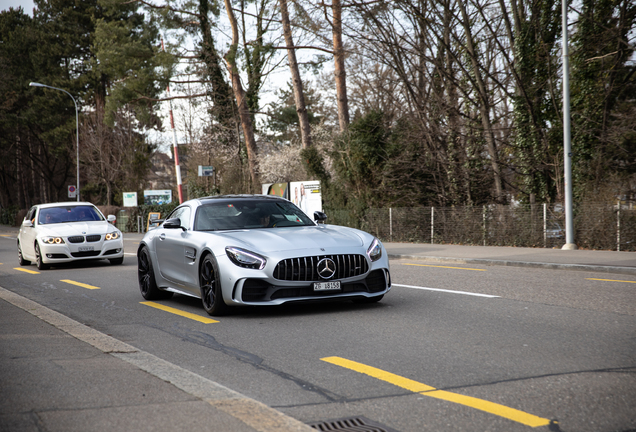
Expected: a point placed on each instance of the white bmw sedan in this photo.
(66, 232)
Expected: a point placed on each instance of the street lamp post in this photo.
(34, 84)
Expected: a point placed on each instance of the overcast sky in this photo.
(27, 5)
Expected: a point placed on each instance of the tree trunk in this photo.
(299, 96)
(340, 71)
(484, 106)
(241, 99)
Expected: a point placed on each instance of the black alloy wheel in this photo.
(146, 276)
(23, 262)
(211, 295)
(38, 258)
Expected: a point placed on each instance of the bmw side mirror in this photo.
(27, 223)
(320, 217)
(173, 224)
(112, 219)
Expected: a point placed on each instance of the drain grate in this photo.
(350, 424)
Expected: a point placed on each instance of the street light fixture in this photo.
(34, 84)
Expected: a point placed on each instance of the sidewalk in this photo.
(582, 260)
(59, 375)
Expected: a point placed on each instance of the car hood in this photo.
(270, 240)
(77, 228)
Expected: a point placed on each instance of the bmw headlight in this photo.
(375, 250)
(53, 240)
(245, 259)
(112, 236)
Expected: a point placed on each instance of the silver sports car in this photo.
(256, 250)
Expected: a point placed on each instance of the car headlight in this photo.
(375, 250)
(245, 259)
(112, 236)
(53, 240)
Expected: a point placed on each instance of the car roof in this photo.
(234, 198)
(64, 204)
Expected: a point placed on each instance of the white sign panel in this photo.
(157, 196)
(307, 196)
(206, 171)
(72, 191)
(130, 199)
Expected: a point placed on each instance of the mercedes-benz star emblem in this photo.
(326, 268)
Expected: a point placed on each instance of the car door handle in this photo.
(162, 237)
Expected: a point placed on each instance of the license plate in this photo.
(85, 248)
(327, 286)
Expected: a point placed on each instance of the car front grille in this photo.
(93, 238)
(76, 239)
(257, 290)
(304, 269)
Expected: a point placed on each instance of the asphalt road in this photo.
(450, 348)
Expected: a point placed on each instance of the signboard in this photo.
(157, 196)
(278, 189)
(72, 191)
(130, 199)
(307, 196)
(206, 171)
(152, 220)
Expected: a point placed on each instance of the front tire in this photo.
(21, 259)
(38, 258)
(146, 277)
(211, 293)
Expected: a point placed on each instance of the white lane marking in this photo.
(446, 291)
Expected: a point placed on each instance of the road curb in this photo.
(527, 264)
(251, 412)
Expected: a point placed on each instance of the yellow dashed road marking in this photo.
(610, 280)
(192, 316)
(26, 270)
(83, 285)
(426, 390)
(439, 266)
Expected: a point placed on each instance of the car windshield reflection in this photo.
(53, 215)
(246, 214)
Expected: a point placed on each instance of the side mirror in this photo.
(320, 217)
(111, 219)
(173, 224)
(27, 223)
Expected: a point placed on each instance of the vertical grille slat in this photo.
(303, 269)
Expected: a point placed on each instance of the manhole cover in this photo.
(351, 424)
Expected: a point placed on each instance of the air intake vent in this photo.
(93, 238)
(304, 269)
(76, 239)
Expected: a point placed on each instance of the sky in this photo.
(27, 5)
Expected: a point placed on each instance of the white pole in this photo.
(567, 144)
(432, 223)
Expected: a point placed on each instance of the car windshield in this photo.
(80, 213)
(248, 214)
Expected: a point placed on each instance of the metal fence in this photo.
(596, 226)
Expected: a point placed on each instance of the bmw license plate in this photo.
(327, 286)
(85, 248)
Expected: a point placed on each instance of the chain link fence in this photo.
(596, 226)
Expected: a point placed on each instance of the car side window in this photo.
(183, 214)
(31, 214)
